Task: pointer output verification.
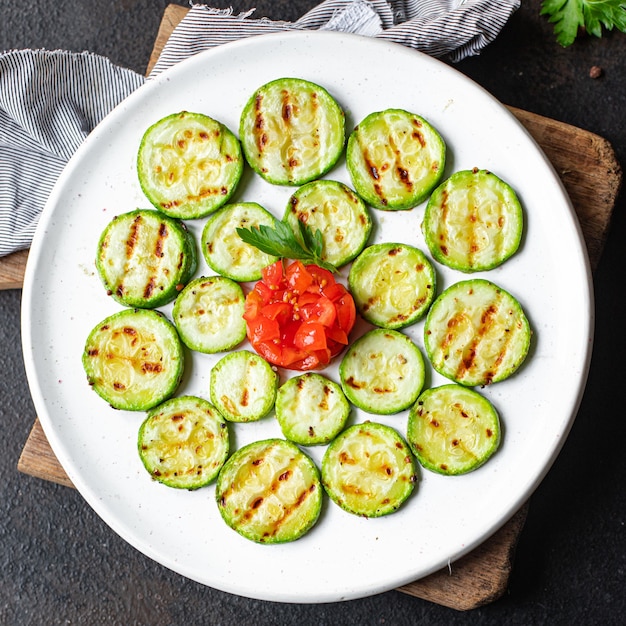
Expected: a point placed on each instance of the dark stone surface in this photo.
(60, 564)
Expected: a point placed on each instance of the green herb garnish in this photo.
(569, 16)
(280, 240)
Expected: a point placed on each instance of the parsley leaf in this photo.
(281, 241)
(569, 16)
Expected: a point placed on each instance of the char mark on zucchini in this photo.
(476, 333)
(143, 257)
(269, 492)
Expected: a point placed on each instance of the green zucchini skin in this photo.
(269, 492)
(395, 158)
(369, 470)
(393, 284)
(473, 221)
(134, 359)
(476, 333)
(311, 409)
(243, 386)
(337, 212)
(224, 250)
(189, 164)
(208, 314)
(183, 443)
(382, 372)
(292, 131)
(144, 258)
(453, 429)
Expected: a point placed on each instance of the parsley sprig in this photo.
(280, 240)
(569, 16)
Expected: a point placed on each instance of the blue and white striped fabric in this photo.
(451, 29)
(50, 101)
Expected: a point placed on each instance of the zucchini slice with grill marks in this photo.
(189, 164)
(337, 212)
(225, 251)
(134, 359)
(392, 284)
(395, 159)
(184, 442)
(382, 372)
(145, 258)
(476, 333)
(269, 491)
(243, 386)
(292, 131)
(208, 314)
(473, 221)
(453, 429)
(311, 409)
(369, 470)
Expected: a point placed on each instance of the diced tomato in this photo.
(337, 334)
(253, 305)
(263, 329)
(269, 350)
(265, 292)
(322, 277)
(279, 311)
(298, 316)
(273, 275)
(290, 355)
(346, 312)
(322, 311)
(298, 278)
(310, 336)
(308, 299)
(335, 291)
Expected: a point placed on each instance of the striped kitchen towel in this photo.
(450, 29)
(50, 101)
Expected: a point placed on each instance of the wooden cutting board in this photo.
(591, 175)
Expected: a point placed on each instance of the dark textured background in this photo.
(60, 564)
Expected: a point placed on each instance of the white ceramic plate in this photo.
(344, 556)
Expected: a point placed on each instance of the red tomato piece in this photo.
(253, 305)
(298, 278)
(272, 275)
(299, 317)
(263, 329)
(323, 277)
(337, 335)
(346, 312)
(279, 311)
(310, 336)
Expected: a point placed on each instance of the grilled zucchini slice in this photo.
(189, 164)
(224, 250)
(382, 372)
(145, 258)
(208, 314)
(134, 359)
(243, 386)
(476, 333)
(392, 284)
(337, 212)
(395, 159)
(473, 221)
(369, 470)
(183, 443)
(269, 491)
(311, 409)
(453, 429)
(292, 131)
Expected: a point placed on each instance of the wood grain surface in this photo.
(591, 175)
